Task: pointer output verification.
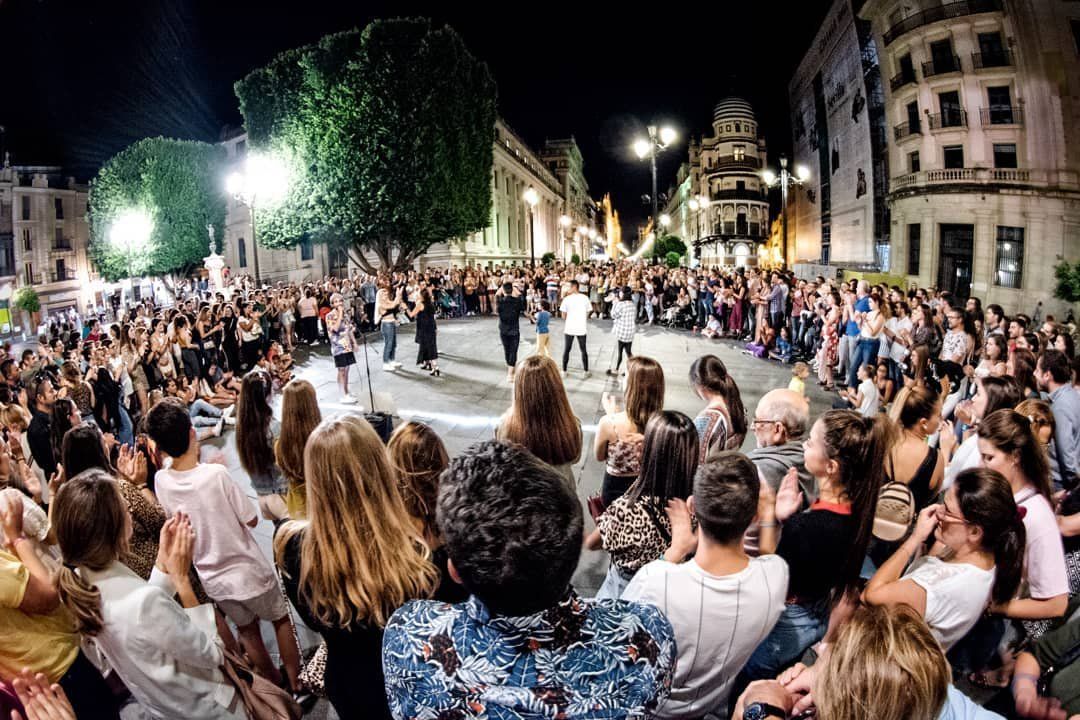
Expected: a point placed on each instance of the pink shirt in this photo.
(230, 563)
(1044, 555)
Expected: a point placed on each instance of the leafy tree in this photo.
(1068, 281)
(547, 258)
(178, 183)
(26, 298)
(390, 131)
(575, 259)
(672, 259)
(668, 244)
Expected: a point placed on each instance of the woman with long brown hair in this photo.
(356, 559)
(540, 417)
(168, 658)
(255, 444)
(619, 436)
(300, 415)
(722, 424)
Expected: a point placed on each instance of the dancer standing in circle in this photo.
(424, 314)
(508, 306)
(339, 328)
(387, 306)
(575, 309)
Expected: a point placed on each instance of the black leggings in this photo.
(623, 346)
(568, 342)
(510, 348)
(88, 692)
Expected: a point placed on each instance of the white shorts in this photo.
(270, 606)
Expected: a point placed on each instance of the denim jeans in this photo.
(203, 414)
(614, 583)
(798, 628)
(866, 351)
(389, 336)
(127, 430)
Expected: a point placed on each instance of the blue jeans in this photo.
(389, 337)
(127, 430)
(866, 351)
(798, 628)
(203, 414)
(614, 584)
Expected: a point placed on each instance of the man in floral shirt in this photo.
(524, 645)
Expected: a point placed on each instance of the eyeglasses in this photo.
(944, 516)
(756, 422)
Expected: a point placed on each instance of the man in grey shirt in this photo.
(1054, 375)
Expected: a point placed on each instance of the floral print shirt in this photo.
(578, 659)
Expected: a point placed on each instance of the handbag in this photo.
(596, 505)
(262, 699)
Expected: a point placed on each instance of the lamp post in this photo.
(658, 141)
(784, 180)
(265, 179)
(131, 231)
(565, 222)
(532, 198)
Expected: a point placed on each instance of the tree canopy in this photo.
(389, 133)
(178, 183)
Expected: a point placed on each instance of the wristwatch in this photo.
(760, 711)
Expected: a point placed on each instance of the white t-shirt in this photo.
(1044, 553)
(718, 622)
(871, 402)
(230, 563)
(577, 308)
(966, 457)
(956, 596)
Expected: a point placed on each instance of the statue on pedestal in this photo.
(214, 263)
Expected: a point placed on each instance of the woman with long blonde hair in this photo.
(356, 559)
(540, 418)
(300, 415)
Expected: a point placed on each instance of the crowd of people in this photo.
(857, 564)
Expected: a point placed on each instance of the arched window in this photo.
(241, 253)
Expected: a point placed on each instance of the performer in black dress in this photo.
(424, 314)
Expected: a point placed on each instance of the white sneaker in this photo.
(389, 367)
(228, 412)
(396, 364)
(348, 399)
(230, 421)
(565, 374)
(587, 374)
(216, 430)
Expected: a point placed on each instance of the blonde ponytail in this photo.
(81, 599)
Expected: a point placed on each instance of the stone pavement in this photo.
(464, 404)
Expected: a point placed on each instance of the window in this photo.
(727, 129)
(1004, 155)
(913, 161)
(991, 51)
(25, 207)
(1076, 33)
(738, 127)
(907, 69)
(241, 252)
(306, 251)
(61, 270)
(58, 204)
(1009, 262)
(914, 243)
(951, 113)
(942, 58)
(28, 274)
(59, 241)
(27, 239)
(739, 152)
(740, 185)
(999, 100)
(954, 157)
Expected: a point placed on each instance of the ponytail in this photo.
(1009, 561)
(81, 599)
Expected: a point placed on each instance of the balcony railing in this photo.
(1002, 115)
(984, 176)
(1001, 58)
(738, 195)
(730, 162)
(940, 66)
(907, 129)
(940, 12)
(901, 79)
(948, 119)
(37, 279)
(62, 276)
(64, 244)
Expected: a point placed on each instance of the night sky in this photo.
(85, 78)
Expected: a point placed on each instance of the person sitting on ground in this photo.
(721, 603)
(232, 567)
(513, 532)
(865, 397)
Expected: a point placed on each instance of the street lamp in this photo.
(665, 221)
(533, 199)
(264, 180)
(658, 141)
(131, 231)
(565, 222)
(785, 179)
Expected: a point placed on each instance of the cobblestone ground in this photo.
(464, 404)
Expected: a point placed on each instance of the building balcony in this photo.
(985, 176)
(729, 163)
(941, 66)
(65, 276)
(938, 13)
(982, 61)
(948, 119)
(62, 245)
(737, 194)
(901, 79)
(907, 129)
(1001, 115)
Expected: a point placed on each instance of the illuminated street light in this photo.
(658, 141)
(533, 199)
(131, 230)
(785, 180)
(665, 221)
(264, 182)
